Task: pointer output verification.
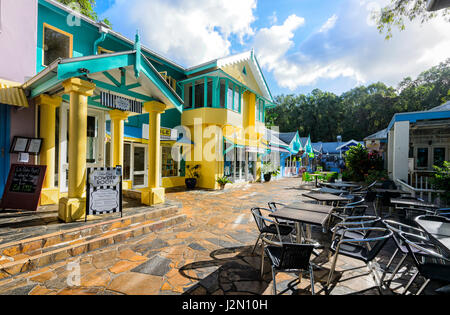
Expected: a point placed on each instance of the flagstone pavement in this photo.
(211, 253)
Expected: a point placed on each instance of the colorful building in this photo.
(99, 99)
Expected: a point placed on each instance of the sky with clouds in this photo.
(300, 44)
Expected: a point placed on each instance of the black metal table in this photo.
(324, 198)
(438, 231)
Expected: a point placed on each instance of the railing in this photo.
(420, 192)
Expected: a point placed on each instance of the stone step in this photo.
(26, 263)
(29, 245)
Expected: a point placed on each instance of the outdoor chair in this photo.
(364, 249)
(291, 258)
(444, 212)
(273, 206)
(354, 222)
(268, 228)
(397, 228)
(432, 265)
(354, 208)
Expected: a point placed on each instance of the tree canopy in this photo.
(361, 111)
(398, 11)
(86, 7)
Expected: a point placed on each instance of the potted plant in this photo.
(192, 175)
(269, 170)
(222, 181)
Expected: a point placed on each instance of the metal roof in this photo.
(380, 135)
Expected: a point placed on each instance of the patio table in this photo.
(326, 190)
(390, 191)
(304, 213)
(414, 203)
(324, 198)
(439, 233)
(342, 185)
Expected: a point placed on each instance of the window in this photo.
(188, 96)
(210, 94)
(222, 93)
(92, 139)
(230, 96)
(199, 94)
(438, 156)
(127, 161)
(103, 51)
(422, 157)
(169, 164)
(57, 44)
(236, 97)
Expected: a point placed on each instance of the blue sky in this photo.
(301, 44)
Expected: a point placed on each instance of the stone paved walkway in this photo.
(209, 254)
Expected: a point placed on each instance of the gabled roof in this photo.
(441, 108)
(248, 56)
(288, 137)
(348, 144)
(380, 135)
(128, 73)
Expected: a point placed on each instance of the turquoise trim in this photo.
(111, 78)
(41, 88)
(138, 63)
(203, 68)
(122, 90)
(101, 64)
(97, 43)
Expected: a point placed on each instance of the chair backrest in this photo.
(379, 241)
(357, 200)
(397, 228)
(371, 185)
(257, 215)
(296, 256)
(358, 210)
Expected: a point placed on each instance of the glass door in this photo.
(95, 148)
(139, 166)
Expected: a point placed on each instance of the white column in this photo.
(400, 150)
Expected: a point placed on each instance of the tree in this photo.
(395, 14)
(86, 7)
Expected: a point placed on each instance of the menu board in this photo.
(26, 145)
(23, 188)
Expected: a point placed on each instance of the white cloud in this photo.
(329, 24)
(184, 30)
(350, 47)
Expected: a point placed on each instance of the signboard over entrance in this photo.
(121, 103)
(23, 188)
(104, 190)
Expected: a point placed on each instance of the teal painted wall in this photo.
(170, 119)
(84, 37)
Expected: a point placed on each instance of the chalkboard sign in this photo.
(23, 188)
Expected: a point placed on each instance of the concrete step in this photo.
(34, 253)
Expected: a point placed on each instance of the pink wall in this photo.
(22, 124)
(18, 39)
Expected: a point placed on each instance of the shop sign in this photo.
(166, 134)
(104, 190)
(121, 103)
(23, 188)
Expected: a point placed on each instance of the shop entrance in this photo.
(4, 146)
(139, 166)
(96, 129)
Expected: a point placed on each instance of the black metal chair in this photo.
(443, 212)
(364, 249)
(291, 258)
(268, 228)
(397, 228)
(354, 222)
(432, 265)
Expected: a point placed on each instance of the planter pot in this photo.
(267, 177)
(191, 183)
(222, 187)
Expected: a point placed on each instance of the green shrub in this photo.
(376, 175)
(359, 162)
(441, 180)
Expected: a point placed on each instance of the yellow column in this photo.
(154, 194)
(48, 105)
(117, 133)
(74, 207)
